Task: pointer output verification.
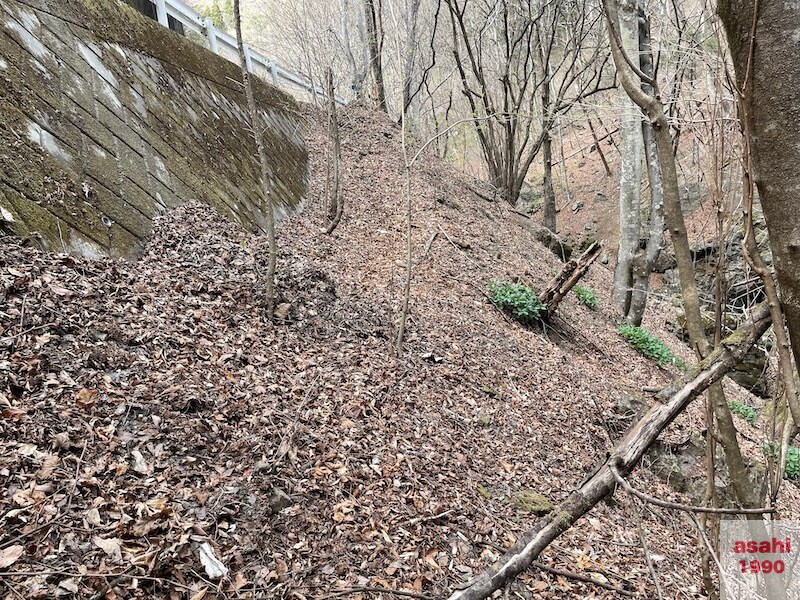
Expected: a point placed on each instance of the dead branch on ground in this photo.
(673, 400)
(570, 274)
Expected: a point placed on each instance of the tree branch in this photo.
(626, 455)
(684, 507)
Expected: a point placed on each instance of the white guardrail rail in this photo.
(219, 41)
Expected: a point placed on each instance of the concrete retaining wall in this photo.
(107, 119)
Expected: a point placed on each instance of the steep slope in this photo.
(150, 408)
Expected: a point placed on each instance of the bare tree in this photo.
(409, 162)
(549, 195)
(375, 55)
(413, 85)
(494, 50)
(333, 181)
(334, 186)
(266, 187)
(631, 151)
(411, 51)
(358, 69)
(643, 260)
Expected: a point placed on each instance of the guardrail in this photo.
(219, 41)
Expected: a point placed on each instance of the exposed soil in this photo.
(151, 411)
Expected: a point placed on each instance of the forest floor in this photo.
(158, 431)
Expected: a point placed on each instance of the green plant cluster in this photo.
(520, 301)
(792, 470)
(792, 463)
(649, 345)
(748, 413)
(586, 297)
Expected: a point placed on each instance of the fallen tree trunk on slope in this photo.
(570, 274)
(626, 455)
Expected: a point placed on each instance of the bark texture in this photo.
(643, 262)
(630, 178)
(772, 115)
(570, 275)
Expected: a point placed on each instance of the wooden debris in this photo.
(571, 274)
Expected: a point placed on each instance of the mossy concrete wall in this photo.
(107, 119)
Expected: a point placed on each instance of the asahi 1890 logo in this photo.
(760, 560)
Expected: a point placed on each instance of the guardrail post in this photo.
(161, 12)
(247, 58)
(273, 69)
(211, 34)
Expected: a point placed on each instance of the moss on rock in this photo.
(96, 95)
(532, 502)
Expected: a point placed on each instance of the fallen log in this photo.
(625, 456)
(570, 274)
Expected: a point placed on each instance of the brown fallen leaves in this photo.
(161, 439)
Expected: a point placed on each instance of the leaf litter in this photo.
(162, 439)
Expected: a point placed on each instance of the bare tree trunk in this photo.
(630, 178)
(598, 147)
(401, 329)
(443, 141)
(785, 364)
(625, 456)
(262, 159)
(358, 73)
(643, 262)
(768, 75)
(409, 67)
(335, 191)
(375, 57)
(549, 219)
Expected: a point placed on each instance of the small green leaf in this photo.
(586, 297)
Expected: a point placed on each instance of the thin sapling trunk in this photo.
(266, 188)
